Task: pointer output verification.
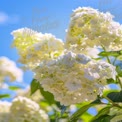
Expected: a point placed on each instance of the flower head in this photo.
(24, 109)
(100, 70)
(8, 69)
(4, 111)
(36, 47)
(64, 78)
(89, 28)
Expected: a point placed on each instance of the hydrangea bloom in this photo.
(65, 78)
(26, 110)
(100, 70)
(36, 47)
(89, 28)
(8, 69)
(72, 77)
(24, 38)
(4, 111)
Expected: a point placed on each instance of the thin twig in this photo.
(106, 56)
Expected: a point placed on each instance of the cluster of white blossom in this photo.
(22, 109)
(72, 78)
(9, 70)
(100, 70)
(89, 28)
(68, 70)
(4, 111)
(34, 47)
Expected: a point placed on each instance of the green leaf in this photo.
(115, 96)
(106, 92)
(102, 114)
(14, 87)
(78, 113)
(117, 116)
(4, 96)
(86, 117)
(119, 71)
(47, 95)
(104, 118)
(110, 53)
(34, 86)
(104, 54)
(119, 57)
(82, 110)
(109, 81)
(97, 101)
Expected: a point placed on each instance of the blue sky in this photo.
(47, 16)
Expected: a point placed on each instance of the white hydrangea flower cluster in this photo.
(100, 70)
(89, 28)
(5, 106)
(22, 109)
(8, 69)
(67, 79)
(64, 69)
(4, 111)
(36, 47)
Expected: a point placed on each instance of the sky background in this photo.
(46, 16)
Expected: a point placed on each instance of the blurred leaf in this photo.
(106, 92)
(82, 110)
(110, 53)
(115, 96)
(102, 115)
(97, 101)
(119, 57)
(86, 117)
(117, 118)
(4, 96)
(104, 118)
(14, 87)
(104, 54)
(109, 81)
(98, 58)
(79, 112)
(47, 95)
(43, 103)
(119, 71)
(117, 115)
(34, 86)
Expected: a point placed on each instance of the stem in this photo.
(114, 61)
(108, 60)
(106, 56)
(119, 81)
(57, 117)
(108, 99)
(113, 104)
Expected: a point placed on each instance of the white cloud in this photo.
(6, 19)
